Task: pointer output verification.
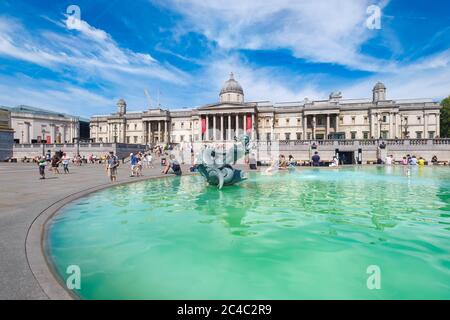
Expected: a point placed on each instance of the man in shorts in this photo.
(111, 166)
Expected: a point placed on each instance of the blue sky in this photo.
(279, 50)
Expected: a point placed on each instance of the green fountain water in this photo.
(311, 234)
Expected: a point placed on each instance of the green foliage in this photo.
(445, 118)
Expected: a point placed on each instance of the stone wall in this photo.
(6, 144)
(303, 149)
(122, 150)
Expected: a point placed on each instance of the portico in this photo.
(222, 124)
(156, 123)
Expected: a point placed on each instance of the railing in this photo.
(358, 142)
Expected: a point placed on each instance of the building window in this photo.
(353, 135)
(366, 135)
(299, 136)
(419, 119)
(419, 134)
(181, 138)
(276, 122)
(100, 139)
(287, 136)
(135, 126)
(341, 120)
(268, 137)
(384, 119)
(366, 120)
(287, 122)
(431, 135)
(128, 126)
(128, 139)
(135, 139)
(299, 121)
(319, 121)
(384, 134)
(353, 120)
(182, 125)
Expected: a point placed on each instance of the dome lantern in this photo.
(231, 91)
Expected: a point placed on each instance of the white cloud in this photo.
(330, 31)
(56, 96)
(83, 50)
(259, 83)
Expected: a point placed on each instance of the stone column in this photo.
(272, 127)
(229, 127)
(214, 128)
(327, 130)
(166, 131)
(314, 127)
(337, 123)
(304, 124)
(63, 133)
(391, 125)
(237, 125)
(200, 138)
(372, 125)
(399, 125)
(221, 127)
(150, 132)
(159, 132)
(245, 124)
(207, 128)
(253, 126)
(438, 125)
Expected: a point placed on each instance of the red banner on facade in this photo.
(249, 123)
(49, 139)
(203, 125)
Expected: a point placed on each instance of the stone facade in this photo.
(32, 125)
(6, 135)
(332, 118)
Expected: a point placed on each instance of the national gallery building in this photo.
(333, 118)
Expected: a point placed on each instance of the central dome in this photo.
(232, 91)
(231, 86)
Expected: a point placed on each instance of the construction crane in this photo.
(148, 98)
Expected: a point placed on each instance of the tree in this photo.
(445, 118)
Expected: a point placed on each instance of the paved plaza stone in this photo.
(23, 197)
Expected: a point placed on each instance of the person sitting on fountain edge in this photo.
(174, 165)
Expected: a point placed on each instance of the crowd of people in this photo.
(170, 164)
(137, 162)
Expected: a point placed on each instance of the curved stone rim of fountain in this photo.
(35, 248)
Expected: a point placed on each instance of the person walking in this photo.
(42, 162)
(65, 163)
(133, 164)
(111, 166)
(55, 164)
